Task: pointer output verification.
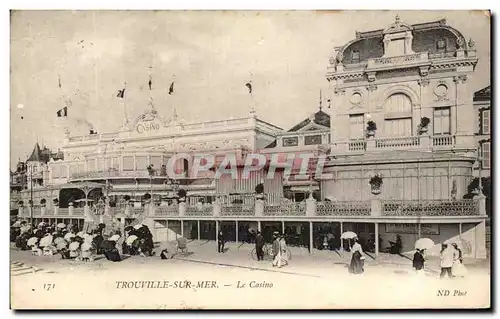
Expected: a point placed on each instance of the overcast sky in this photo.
(210, 55)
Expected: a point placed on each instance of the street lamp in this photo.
(479, 165)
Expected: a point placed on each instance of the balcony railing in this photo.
(384, 208)
(459, 207)
(396, 142)
(410, 142)
(238, 210)
(205, 210)
(288, 209)
(343, 209)
(357, 146)
(164, 211)
(443, 140)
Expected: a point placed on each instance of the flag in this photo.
(62, 112)
(121, 94)
(59, 81)
(249, 86)
(171, 88)
(150, 83)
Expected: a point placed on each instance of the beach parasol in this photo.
(17, 224)
(68, 236)
(59, 240)
(61, 245)
(32, 241)
(424, 243)
(138, 226)
(46, 241)
(61, 225)
(80, 234)
(114, 238)
(41, 224)
(348, 235)
(130, 239)
(74, 245)
(86, 246)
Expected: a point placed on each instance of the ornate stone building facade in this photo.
(398, 145)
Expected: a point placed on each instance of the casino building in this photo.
(397, 135)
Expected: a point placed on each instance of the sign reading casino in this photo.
(148, 127)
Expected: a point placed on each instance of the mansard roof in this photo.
(483, 94)
(370, 45)
(320, 118)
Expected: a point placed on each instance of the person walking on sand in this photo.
(357, 260)
(220, 242)
(276, 250)
(259, 245)
(447, 257)
(283, 250)
(458, 269)
(419, 260)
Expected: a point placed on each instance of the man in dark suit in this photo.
(220, 242)
(259, 244)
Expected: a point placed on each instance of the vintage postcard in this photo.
(250, 159)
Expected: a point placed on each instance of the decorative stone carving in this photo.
(332, 61)
(339, 91)
(356, 98)
(460, 78)
(460, 43)
(340, 56)
(371, 87)
(423, 81)
(471, 44)
(371, 76)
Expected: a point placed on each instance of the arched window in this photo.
(398, 116)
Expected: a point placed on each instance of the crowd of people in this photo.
(72, 243)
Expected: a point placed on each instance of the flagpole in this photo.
(125, 102)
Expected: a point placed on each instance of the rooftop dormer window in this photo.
(441, 45)
(355, 56)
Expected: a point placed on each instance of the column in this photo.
(258, 226)
(182, 228)
(198, 229)
(341, 240)
(282, 227)
(419, 231)
(310, 237)
(459, 231)
(168, 231)
(216, 234)
(376, 241)
(236, 224)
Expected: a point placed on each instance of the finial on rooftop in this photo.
(397, 18)
(320, 101)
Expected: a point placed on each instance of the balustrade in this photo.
(285, 209)
(204, 210)
(163, 211)
(343, 208)
(63, 211)
(238, 210)
(357, 146)
(459, 207)
(443, 140)
(78, 211)
(395, 142)
(398, 59)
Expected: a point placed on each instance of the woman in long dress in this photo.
(283, 250)
(419, 260)
(357, 260)
(458, 269)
